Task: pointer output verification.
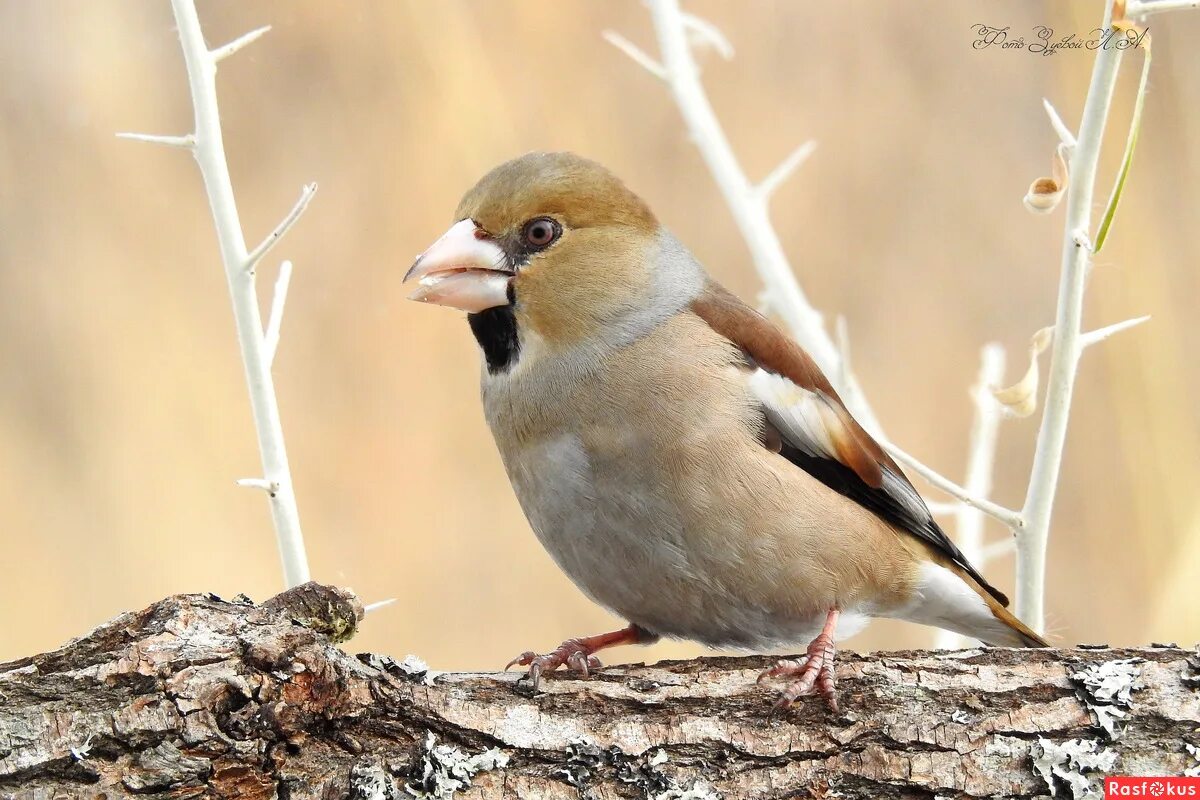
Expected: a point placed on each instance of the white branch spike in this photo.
(1100, 334)
(784, 171)
(184, 142)
(709, 34)
(306, 196)
(367, 609)
(275, 320)
(1060, 127)
(270, 487)
(226, 50)
(636, 53)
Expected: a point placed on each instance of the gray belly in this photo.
(614, 525)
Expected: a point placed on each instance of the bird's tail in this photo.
(1024, 635)
(1011, 632)
(949, 597)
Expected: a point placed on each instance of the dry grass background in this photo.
(123, 417)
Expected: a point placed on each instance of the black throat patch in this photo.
(496, 331)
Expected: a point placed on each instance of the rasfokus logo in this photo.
(1135, 786)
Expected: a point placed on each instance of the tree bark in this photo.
(196, 697)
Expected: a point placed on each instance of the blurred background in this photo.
(124, 419)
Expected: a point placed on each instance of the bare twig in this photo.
(285, 224)
(270, 487)
(1068, 344)
(1060, 127)
(367, 609)
(781, 173)
(275, 320)
(636, 53)
(257, 350)
(186, 142)
(1100, 334)
(225, 51)
(935, 479)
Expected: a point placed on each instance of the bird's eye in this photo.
(541, 232)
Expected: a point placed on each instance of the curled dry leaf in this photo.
(1020, 399)
(1045, 194)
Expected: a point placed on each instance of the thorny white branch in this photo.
(257, 347)
(1068, 343)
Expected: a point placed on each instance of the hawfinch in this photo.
(681, 459)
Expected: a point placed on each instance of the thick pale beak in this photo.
(463, 269)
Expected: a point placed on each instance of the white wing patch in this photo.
(809, 421)
(804, 418)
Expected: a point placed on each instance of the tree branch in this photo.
(1067, 345)
(199, 697)
(257, 349)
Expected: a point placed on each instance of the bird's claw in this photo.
(814, 675)
(571, 653)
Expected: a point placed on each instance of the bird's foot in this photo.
(578, 653)
(814, 674)
(573, 653)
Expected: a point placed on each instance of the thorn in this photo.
(784, 171)
(186, 142)
(226, 50)
(1100, 334)
(367, 609)
(255, 255)
(270, 487)
(707, 33)
(1060, 127)
(275, 320)
(636, 53)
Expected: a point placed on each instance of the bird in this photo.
(683, 460)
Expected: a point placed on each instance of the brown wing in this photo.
(818, 433)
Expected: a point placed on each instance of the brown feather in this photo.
(729, 316)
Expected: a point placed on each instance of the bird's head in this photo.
(552, 246)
